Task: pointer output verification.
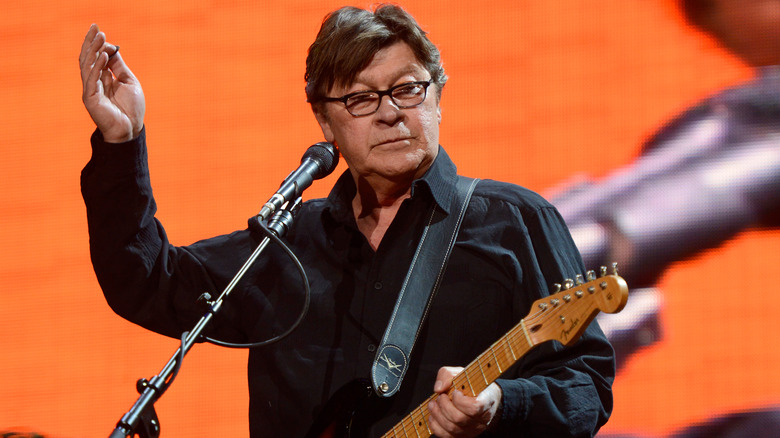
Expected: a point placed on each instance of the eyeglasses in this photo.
(364, 103)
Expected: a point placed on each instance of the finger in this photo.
(88, 38)
(469, 406)
(449, 414)
(111, 49)
(106, 77)
(91, 81)
(462, 415)
(94, 48)
(120, 70)
(91, 54)
(444, 378)
(440, 425)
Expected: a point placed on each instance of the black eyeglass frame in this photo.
(381, 93)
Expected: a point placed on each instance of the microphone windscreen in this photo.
(326, 155)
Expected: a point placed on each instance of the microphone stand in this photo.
(141, 419)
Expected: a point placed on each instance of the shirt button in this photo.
(371, 347)
(378, 285)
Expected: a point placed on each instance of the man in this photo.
(356, 247)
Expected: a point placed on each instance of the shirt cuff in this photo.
(513, 409)
(117, 158)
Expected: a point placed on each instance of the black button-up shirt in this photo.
(512, 246)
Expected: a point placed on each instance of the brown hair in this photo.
(350, 37)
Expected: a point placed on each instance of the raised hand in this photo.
(110, 92)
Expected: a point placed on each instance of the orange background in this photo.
(538, 92)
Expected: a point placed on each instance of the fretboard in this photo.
(472, 380)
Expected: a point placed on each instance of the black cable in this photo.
(297, 322)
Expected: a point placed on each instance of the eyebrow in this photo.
(400, 73)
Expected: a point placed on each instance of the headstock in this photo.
(565, 314)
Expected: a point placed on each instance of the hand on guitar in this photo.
(459, 415)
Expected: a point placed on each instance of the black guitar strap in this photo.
(419, 287)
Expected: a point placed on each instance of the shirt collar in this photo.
(439, 181)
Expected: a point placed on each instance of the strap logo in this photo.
(390, 364)
(392, 359)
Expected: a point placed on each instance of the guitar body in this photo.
(350, 412)
(562, 316)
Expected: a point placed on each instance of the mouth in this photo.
(394, 141)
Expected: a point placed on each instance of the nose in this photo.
(388, 111)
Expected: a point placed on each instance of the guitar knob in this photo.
(578, 279)
(568, 283)
(591, 275)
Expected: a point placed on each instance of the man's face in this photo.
(393, 143)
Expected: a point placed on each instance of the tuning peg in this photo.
(556, 288)
(614, 268)
(568, 283)
(591, 275)
(602, 271)
(578, 279)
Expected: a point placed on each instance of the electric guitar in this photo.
(563, 316)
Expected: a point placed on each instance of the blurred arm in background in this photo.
(708, 174)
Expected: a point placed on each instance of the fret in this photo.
(471, 387)
(491, 368)
(514, 356)
(483, 372)
(498, 362)
(504, 353)
(413, 423)
(425, 419)
(525, 333)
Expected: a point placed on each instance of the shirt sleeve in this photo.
(144, 278)
(562, 391)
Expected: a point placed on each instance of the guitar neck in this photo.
(562, 316)
(472, 380)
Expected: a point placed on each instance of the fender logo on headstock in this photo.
(565, 332)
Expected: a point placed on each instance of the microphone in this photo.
(318, 161)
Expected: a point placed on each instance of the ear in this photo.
(324, 122)
(438, 113)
